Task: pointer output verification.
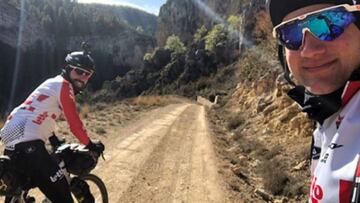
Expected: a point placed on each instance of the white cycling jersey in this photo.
(35, 118)
(333, 172)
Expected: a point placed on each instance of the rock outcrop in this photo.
(126, 49)
(183, 18)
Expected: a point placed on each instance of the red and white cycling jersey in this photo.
(339, 139)
(35, 118)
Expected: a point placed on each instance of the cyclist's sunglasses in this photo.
(81, 72)
(326, 24)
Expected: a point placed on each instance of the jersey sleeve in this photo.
(67, 102)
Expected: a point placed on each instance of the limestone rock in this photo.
(266, 196)
(302, 165)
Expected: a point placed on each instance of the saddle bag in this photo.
(10, 182)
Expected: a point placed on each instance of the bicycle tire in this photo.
(99, 184)
(14, 199)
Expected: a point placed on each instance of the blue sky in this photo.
(151, 6)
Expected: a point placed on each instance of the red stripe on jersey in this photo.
(27, 102)
(32, 109)
(345, 189)
(350, 89)
(42, 97)
(69, 108)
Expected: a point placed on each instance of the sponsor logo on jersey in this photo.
(57, 176)
(324, 159)
(315, 152)
(334, 146)
(316, 192)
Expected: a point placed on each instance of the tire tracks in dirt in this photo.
(167, 156)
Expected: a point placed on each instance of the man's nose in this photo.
(312, 46)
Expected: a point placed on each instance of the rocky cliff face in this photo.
(10, 25)
(183, 18)
(126, 49)
(177, 17)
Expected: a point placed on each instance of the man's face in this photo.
(79, 77)
(324, 66)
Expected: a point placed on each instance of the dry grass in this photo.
(100, 130)
(84, 110)
(274, 177)
(149, 100)
(234, 121)
(2, 122)
(263, 27)
(3, 119)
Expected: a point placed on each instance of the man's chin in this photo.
(321, 90)
(79, 84)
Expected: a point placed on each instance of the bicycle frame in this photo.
(24, 196)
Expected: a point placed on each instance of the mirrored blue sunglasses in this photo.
(325, 24)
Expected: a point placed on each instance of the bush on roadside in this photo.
(274, 178)
(234, 121)
(84, 110)
(100, 131)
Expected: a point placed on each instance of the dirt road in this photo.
(166, 156)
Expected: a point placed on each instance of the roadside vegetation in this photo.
(261, 135)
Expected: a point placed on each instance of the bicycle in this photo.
(75, 161)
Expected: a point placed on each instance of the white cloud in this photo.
(121, 3)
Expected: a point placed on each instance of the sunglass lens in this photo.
(78, 71)
(291, 36)
(326, 26)
(81, 72)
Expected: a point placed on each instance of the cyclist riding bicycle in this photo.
(319, 44)
(30, 125)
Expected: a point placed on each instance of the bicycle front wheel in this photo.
(97, 188)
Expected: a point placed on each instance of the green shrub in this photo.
(174, 44)
(234, 22)
(216, 38)
(148, 56)
(200, 33)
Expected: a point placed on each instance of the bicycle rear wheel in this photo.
(97, 188)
